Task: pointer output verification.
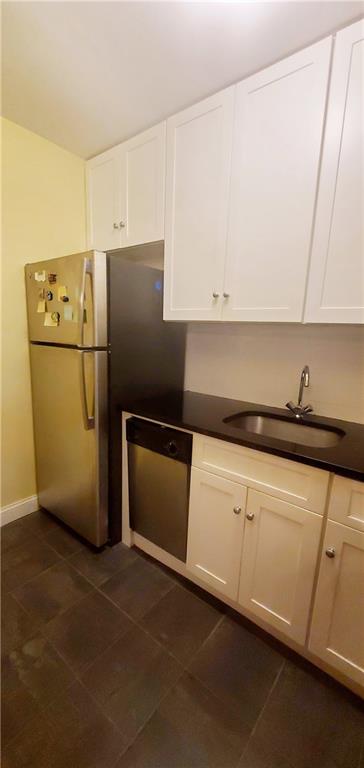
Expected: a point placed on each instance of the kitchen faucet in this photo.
(300, 410)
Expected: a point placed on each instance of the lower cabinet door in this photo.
(337, 630)
(215, 531)
(278, 563)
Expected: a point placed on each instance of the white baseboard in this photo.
(18, 509)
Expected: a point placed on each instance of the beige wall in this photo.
(262, 364)
(43, 216)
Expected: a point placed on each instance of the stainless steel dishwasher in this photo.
(159, 467)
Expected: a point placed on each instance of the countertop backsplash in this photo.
(262, 363)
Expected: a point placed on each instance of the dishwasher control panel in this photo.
(163, 440)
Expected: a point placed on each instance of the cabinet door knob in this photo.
(226, 295)
(237, 510)
(122, 224)
(330, 552)
(115, 225)
(250, 515)
(215, 295)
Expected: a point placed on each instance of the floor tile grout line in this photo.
(186, 588)
(134, 621)
(42, 627)
(180, 580)
(42, 537)
(138, 623)
(160, 701)
(148, 633)
(141, 627)
(78, 679)
(214, 629)
(61, 558)
(24, 583)
(260, 715)
(134, 624)
(203, 685)
(44, 622)
(78, 675)
(98, 586)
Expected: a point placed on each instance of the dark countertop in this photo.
(205, 413)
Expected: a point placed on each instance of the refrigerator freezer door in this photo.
(70, 425)
(66, 300)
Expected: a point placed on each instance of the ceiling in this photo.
(87, 75)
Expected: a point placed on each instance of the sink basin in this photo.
(281, 428)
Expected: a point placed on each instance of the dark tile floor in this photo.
(111, 661)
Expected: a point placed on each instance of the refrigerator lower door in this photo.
(70, 425)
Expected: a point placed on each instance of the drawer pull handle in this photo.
(250, 515)
(330, 552)
(237, 510)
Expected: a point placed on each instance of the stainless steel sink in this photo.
(316, 436)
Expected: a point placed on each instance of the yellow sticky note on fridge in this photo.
(41, 306)
(50, 320)
(68, 312)
(62, 291)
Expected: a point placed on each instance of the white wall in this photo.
(261, 363)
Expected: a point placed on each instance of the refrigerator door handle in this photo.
(89, 420)
(86, 270)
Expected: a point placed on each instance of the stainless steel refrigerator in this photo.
(97, 341)
(67, 321)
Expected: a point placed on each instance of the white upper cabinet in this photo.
(199, 142)
(104, 201)
(336, 281)
(279, 122)
(143, 179)
(125, 188)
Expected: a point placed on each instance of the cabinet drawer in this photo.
(297, 483)
(347, 502)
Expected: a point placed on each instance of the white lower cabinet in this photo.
(278, 563)
(337, 631)
(267, 557)
(215, 531)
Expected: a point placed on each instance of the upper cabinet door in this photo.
(278, 130)
(336, 283)
(199, 141)
(142, 181)
(104, 201)
(125, 187)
